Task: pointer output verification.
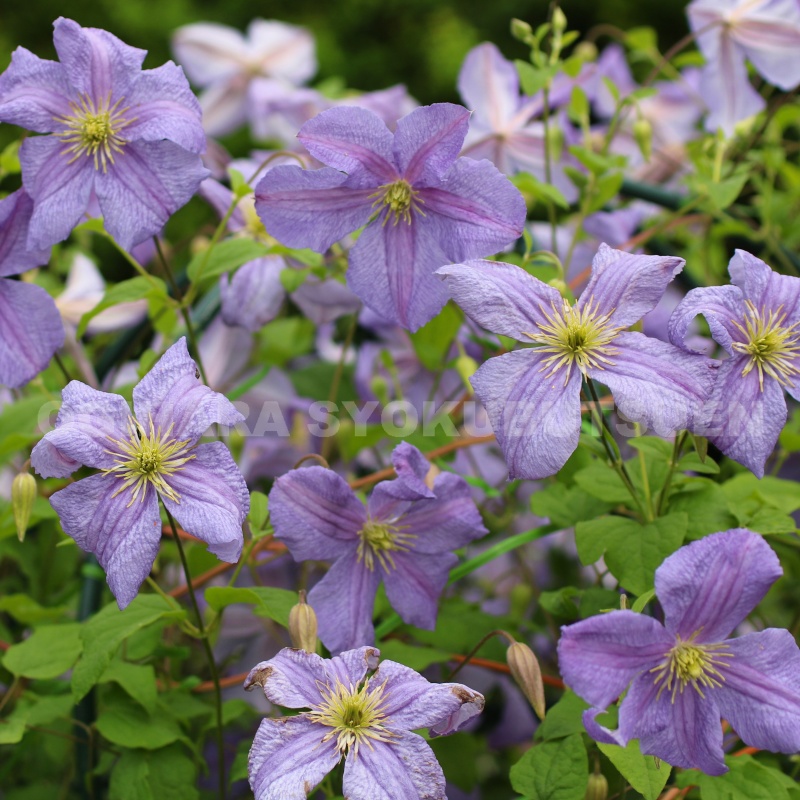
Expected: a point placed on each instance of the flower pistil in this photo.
(377, 540)
(690, 663)
(400, 198)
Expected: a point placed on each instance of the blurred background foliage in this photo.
(371, 44)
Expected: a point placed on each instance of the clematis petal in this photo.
(489, 86)
(598, 657)
(60, 190)
(283, 51)
(535, 415)
(722, 306)
(344, 601)
(96, 63)
(288, 758)
(760, 696)
(412, 702)
(208, 51)
(33, 92)
(389, 499)
(764, 287)
(712, 584)
(172, 396)
(86, 423)
(626, 285)
(428, 140)
(224, 107)
(144, 186)
(351, 140)
(254, 295)
(124, 536)
(391, 270)
(474, 209)
(30, 331)
(500, 297)
(15, 216)
(656, 384)
(311, 208)
(414, 584)
(404, 768)
(213, 500)
(163, 106)
(315, 513)
(291, 679)
(742, 419)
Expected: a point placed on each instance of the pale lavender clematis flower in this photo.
(500, 128)
(757, 322)
(229, 65)
(405, 537)
(30, 326)
(681, 677)
(130, 135)
(765, 32)
(422, 205)
(367, 719)
(532, 395)
(154, 455)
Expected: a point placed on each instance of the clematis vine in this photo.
(153, 455)
(30, 325)
(532, 396)
(365, 719)
(422, 206)
(128, 136)
(404, 537)
(682, 676)
(757, 322)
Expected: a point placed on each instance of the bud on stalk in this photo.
(525, 670)
(23, 494)
(303, 625)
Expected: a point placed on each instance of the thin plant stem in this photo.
(467, 658)
(327, 442)
(209, 654)
(62, 367)
(673, 462)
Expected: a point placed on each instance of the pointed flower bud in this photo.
(303, 625)
(555, 142)
(559, 20)
(23, 493)
(643, 133)
(525, 670)
(597, 787)
(521, 30)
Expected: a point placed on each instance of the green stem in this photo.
(648, 496)
(327, 442)
(510, 639)
(548, 169)
(209, 653)
(673, 462)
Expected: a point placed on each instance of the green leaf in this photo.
(259, 509)
(553, 771)
(26, 610)
(774, 492)
(747, 779)
(126, 723)
(458, 756)
(418, 658)
(224, 257)
(104, 633)
(606, 189)
(652, 446)
(533, 80)
(565, 718)
(706, 506)
(268, 601)
(545, 192)
(166, 774)
(641, 772)
(432, 341)
(600, 481)
(561, 602)
(138, 680)
(642, 600)
(136, 288)
(47, 653)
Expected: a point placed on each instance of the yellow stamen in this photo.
(93, 129)
(772, 345)
(148, 457)
(688, 663)
(575, 335)
(378, 540)
(354, 714)
(401, 200)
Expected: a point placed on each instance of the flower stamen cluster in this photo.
(771, 345)
(377, 540)
(576, 334)
(147, 457)
(93, 130)
(688, 663)
(400, 198)
(354, 714)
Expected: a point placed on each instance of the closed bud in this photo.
(560, 285)
(466, 367)
(559, 20)
(555, 142)
(643, 133)
(586, 51)
(23, 493)
(380, 388)
(521, 30)
(525, 670)
(597, 787)
(303, 626)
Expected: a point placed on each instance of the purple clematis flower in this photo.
(368, 721)
(114, 514)
(532, 396)
(30, 325)
(757, 321)
(765, 32)
(130, 136)
(681, 677)
(423, 207)
(404, 537)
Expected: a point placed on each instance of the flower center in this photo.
(575, 335)
(93, 130)
(771, 345)
(695, 664)
(378, 540)
(400, 199)
(147, 457)
(354, 715)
